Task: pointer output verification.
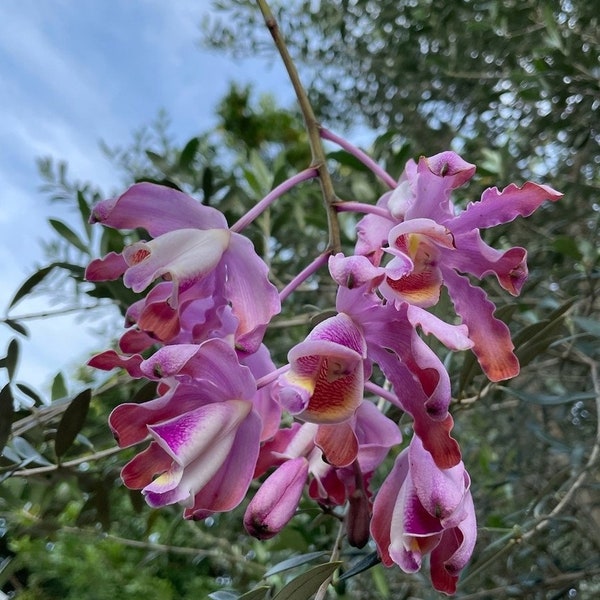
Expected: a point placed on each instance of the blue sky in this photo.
(72, 73)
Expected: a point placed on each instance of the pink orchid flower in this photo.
(421, 509)
(204, 430)
(433, 245)
(194, 250)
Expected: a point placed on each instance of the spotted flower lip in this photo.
(433, 245)
(192, 248)
(326, 378)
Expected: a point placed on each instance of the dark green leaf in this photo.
(18, 327)
(84, 211)
(59, 388)
(347, 159)
(307, 584)
(186, 158)
(207, 184)
(30, 283)
(29, 392)
(68, 234)
(295, 561)
(6, 414)
(72, 421)
(364, 564)
(12, 358)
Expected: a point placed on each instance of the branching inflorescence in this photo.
(223, 412)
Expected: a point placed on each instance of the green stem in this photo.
(312, 128)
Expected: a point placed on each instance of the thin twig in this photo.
(312, 128)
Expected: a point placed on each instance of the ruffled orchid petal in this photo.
(454, 337)
(107, 268)
(497, 207)
(229, 485)
(109, 359)
(434, 179)
(412, 231)
(491, 337)
(476, 257)
(338, 443)
(354, 271)
(254, 298)
(185, 255)
(400, 200)
(156, 208)
(213, 360)
(277, 499)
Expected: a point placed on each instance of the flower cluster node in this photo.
(198, 332)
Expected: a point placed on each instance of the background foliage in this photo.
(514, 87)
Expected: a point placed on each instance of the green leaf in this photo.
(590, 326)
(16, 326)
(30, 283)
(550, 399)
(307, 584)
(364, 564)
(72, 421)
(207, 184)
(68, 234)
(347, 159)
(29, 392)
(85, 212)
(259, 593)
(59, 388)
(6, 414)
(186, 158)
(26, 451)
(295, 561)
(11, 360)
(223, 596)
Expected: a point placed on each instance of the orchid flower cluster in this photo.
(226, 416)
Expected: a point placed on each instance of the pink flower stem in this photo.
(315, 265)
(377, 390)
(361, 207)
(281, 189)
(360, 155)
(270, 377)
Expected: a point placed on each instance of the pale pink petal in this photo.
(157, 209)
(185, 255)
(454, 337)
(253, 297)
